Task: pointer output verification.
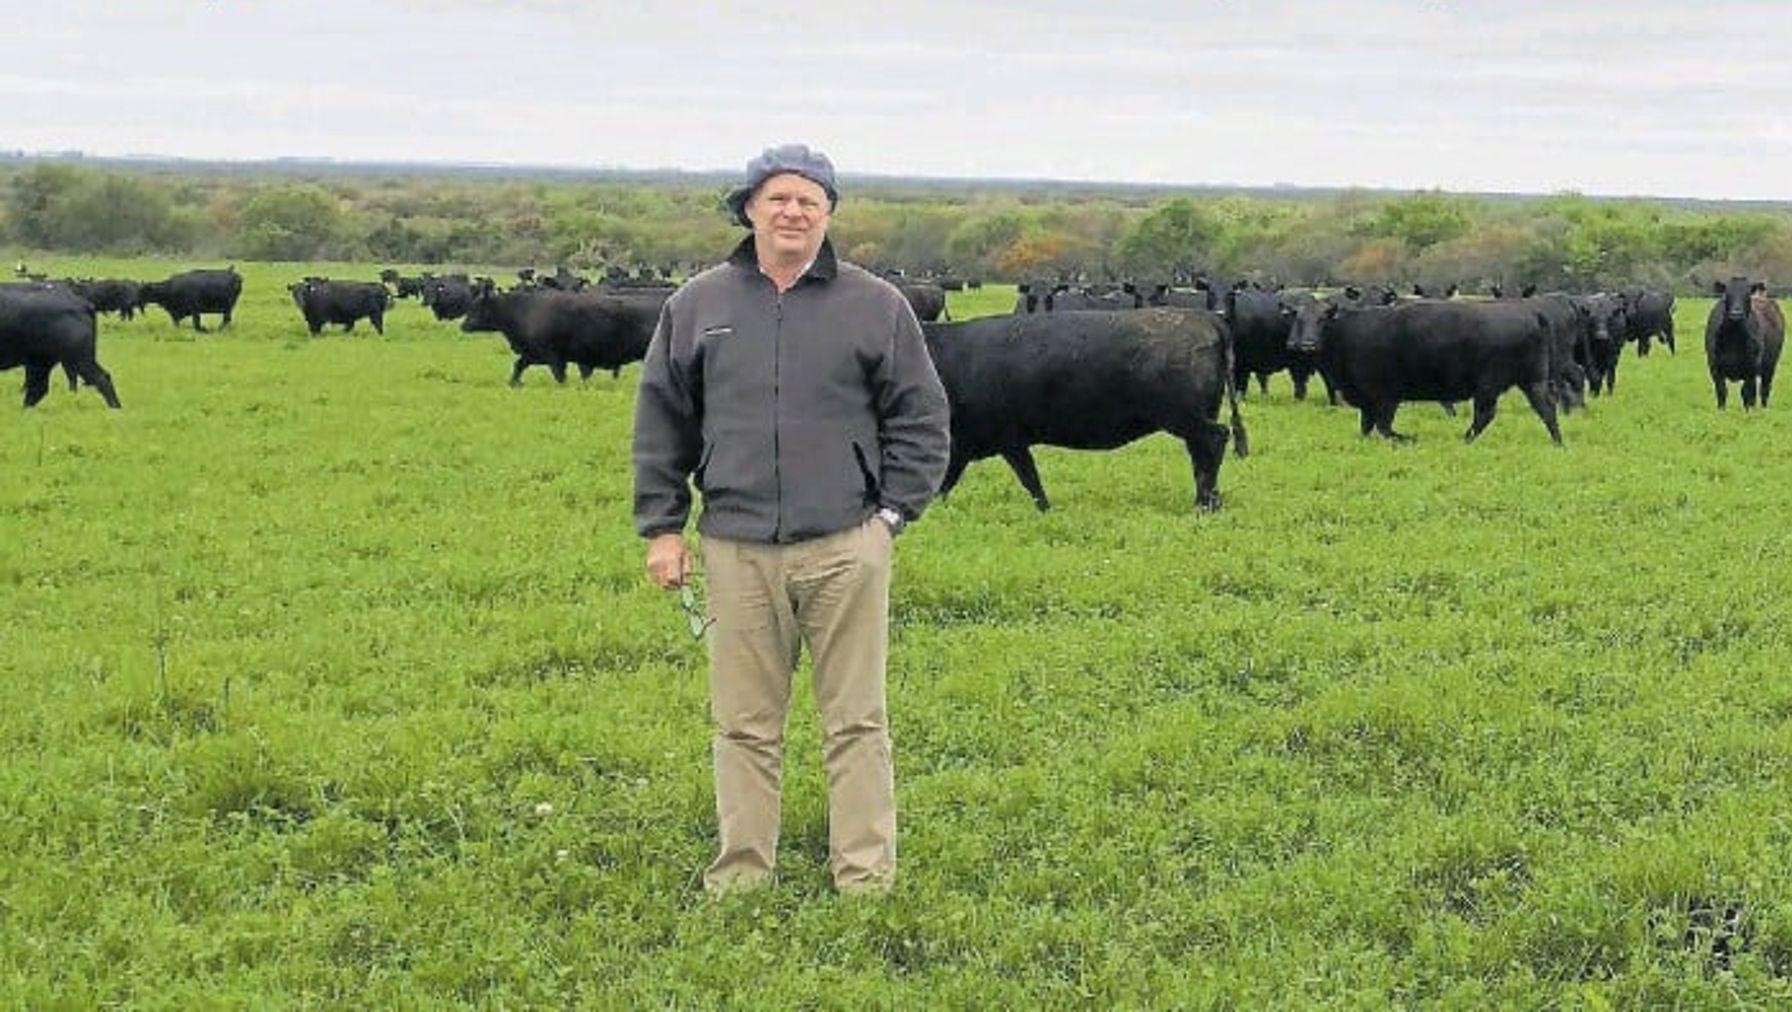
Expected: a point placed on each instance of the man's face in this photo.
(790, 217)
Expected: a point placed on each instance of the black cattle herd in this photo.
(1089, 367)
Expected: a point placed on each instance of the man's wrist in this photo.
(892, 518)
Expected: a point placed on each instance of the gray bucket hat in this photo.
(798, 158)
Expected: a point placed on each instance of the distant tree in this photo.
(289, 222)
(1174, 238)
(1423, 219)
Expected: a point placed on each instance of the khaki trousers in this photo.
(832, 593)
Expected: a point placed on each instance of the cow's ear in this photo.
(1023, 288)
(1717, 287)
(1201, 285)
(1129, 288)
(1352, 292)
(1758, 288)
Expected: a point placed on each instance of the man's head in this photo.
(787, 200)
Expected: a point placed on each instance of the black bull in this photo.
(1090, 380)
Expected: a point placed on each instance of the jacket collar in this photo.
(824, 267)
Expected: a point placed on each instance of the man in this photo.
(797, 394)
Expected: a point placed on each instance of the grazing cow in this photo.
(109, 296)
(927, 299)
(322, 301)
(1743, 338)
(1086, 380)
(592, 330)
(448, 296)
(1435, 351)
(194, 292)
(45, 326)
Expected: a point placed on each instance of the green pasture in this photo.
(332, 679)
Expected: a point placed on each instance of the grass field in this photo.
(332, 678)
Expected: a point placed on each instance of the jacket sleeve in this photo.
(913, 434)
(668, 437)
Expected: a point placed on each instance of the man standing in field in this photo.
(796, 393)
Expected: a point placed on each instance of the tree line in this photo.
(1565, 241)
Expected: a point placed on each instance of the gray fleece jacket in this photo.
(795, 415)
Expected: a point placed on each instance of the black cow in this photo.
(1164, 295)
(592, 330)
(195, 292)
(1435, 351)
(1028, 295)
(448, 296)
(566, 281)
(927, 299)
(1064, 298)
(322, 301)
(1261, 322)
(403, 287)
(1743, 338)
(1609, 326)
(45, 326)
(1569, 331)
(1086, 380)
(110, 296)
(1651, 314)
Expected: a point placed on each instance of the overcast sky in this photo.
(1646, 97)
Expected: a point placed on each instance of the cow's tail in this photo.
(1241, 444)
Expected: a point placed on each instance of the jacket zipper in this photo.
(777, 411)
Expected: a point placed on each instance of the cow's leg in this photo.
(585, 371)
(198, 327)
(1449, 408)
(1767, 383)
(1642, 346)
(1667, 335)
(1367, 417)
(379, 323)
(37, 382)
(1485, 406)
(516, 371)
(100, 380)
(1206, 451)
(1263, 383)
(1538, 395)
(1748, 393)
(1723, 391)
(226, 321)
(1300, 383)
(558, 368)
(349, 327)
(1241, 379)
(954, 470)
(68, 371)
(615, 372)
(1384, 422)
(1020, 459)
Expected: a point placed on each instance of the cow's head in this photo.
(1307, 334)
(1733, 296)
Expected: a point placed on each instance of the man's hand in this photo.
(668, 561)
